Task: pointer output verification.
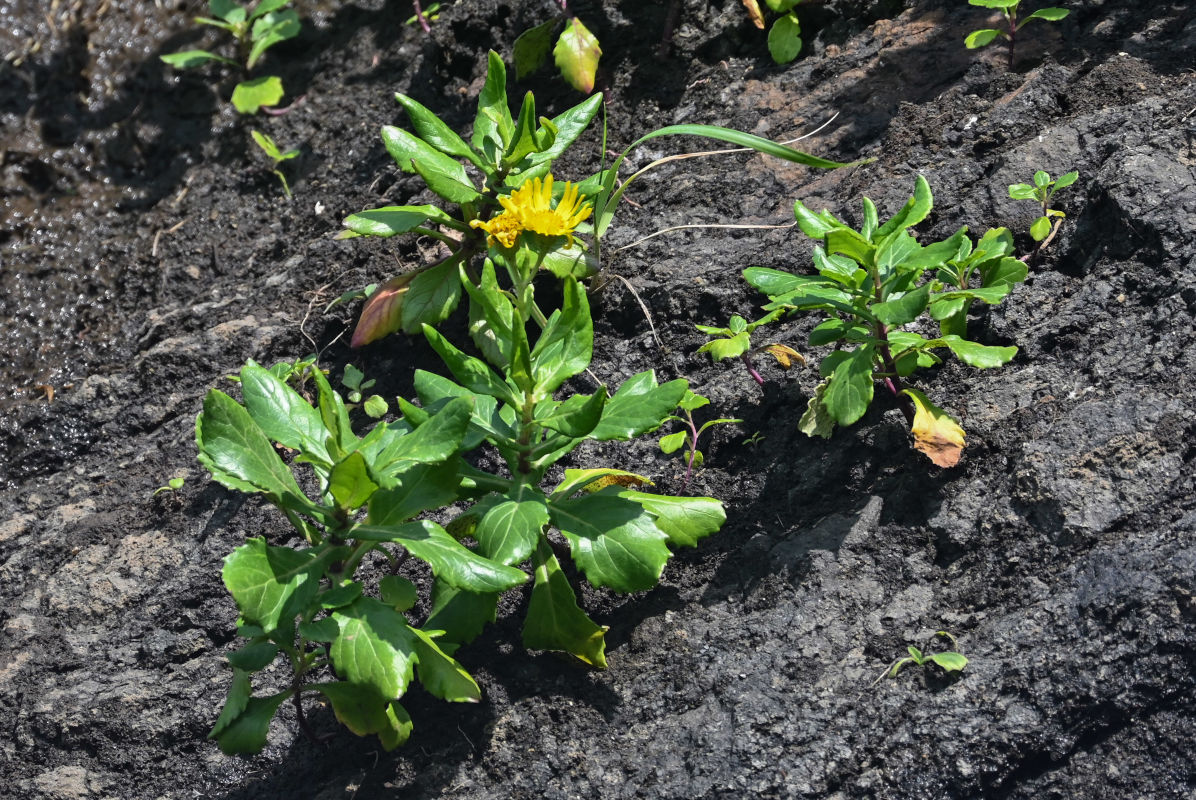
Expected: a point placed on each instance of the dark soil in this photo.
(146, 254)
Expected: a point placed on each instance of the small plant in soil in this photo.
(690, 434)
(172, 485)
(735, 341)
(870, 286)
(948, 660)
(518, 198)
(576, 52)
(1042, 191)
(1008, 9)
(372, 494)
(272, 151)
(784, 36)
(254, 32)
(354, 380)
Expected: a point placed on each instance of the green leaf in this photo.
(440, 674)
(398, 592)
(509, 531)
(350, 483)
(433, 441)
(979, 355)
(266, 6)
(914, 211)
(239, 692)
(431, 129)
(1050, 14)
(359, 708)
(816, 226)
(382, 313)
(840, 269)
(784, 39)
(638, 407)
(375, 407)
(531, 48)
(238, 454)
(904, 309)
(981, 38)
(673, 442)
(849, 390)
(593, 480)
(566, 345)
(227, 10)
(733, 347)
(269, 582)
(340, 596)
(578, 416)
(249, 96)
(569, 126)
(817, 420)
(576, 55)
(1003, 5)
(335, 417)
(460, 614)
(431, 296)
(450, 560)
(554, 620)
(1023, 191)
(613, 540)
(470, 372)
(950, 661)
(575, 262)
(774, 282)
(375, 648)
(493, 120)
(1003, 272)
(830, 331)
(246, 734)
(269, 30)
(399, 729)
(1069, 178)
(684, 520)
(444, 175)
(1040, 229)
(952, 315)
(282, 414)
(421, 487)
(188, 59)
(391, 220)
(253, 656)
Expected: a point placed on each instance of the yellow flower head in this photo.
(529, 208)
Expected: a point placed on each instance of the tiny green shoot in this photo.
(375, 406)
(1042, 191)
(689, 435)
(1008, 8)
(424, 16)
(172, 485)
(949, 660)
(271, 149)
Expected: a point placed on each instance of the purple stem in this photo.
(419, 14)
(756, 376)
(693, 449)
(278, 112)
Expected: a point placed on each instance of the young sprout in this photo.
(1043, 189)
(270, 148)
(734, 341)
(985, 36)
(671, 443)
(949, 660)
(172, 485)
(354, 380)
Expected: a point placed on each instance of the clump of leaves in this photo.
(518, 200)
(689, 435)
(735, 341)
(948, 660)
(1008, 9)
(254, 32)
(354, 380)
(272, 151)
(870, 286)
(371, 493)
(784, 36)
(576, 52)
(1042, 191)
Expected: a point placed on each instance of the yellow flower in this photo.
(529, 208)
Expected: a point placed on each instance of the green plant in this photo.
(172, 485)
(354, 380)
(688, 437)
(518, 199)
(424, 16)
(1008, 8)
(255, 32)
(784, 37)
(270, 148)
(1042, 191)
(734, 341)
(949, 660)
(576, 52)
(869, 284)
(371, 493)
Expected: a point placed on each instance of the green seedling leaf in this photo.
(375, 647)
(188, 59)
(267, 581)
(249, 96)
(531, 48)
(950, 661)
(614, 541)
(398, 592)
(440, 674)
(978, 355)
(1003, 272)
(981, 38)
(784, 39)
(375, 407)
(392, 220)
(639, 406)
(269, 30)
(1069, 178)
(733, 347)
(673, 442)
(576, 55)
(554, 620)
(227, 10)
(1040, 229)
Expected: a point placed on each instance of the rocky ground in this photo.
(146, 254)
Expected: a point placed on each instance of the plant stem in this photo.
(693, 448)
(751, 368)
(419, 14)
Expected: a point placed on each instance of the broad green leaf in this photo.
(578, 416)
(840, 269)
(359, 708)
(1050, 14)
(238, 454)
(951, 662)
(774, 282)
(431, 296)
(193, 58)
(398, 592)
(566, 345)
(392, 220)
(399, 729)
(1069, 178)
(531, 48)
(508, 532)
(268, 582)
(266, 6)
(335, 417)
(999, 4)
(460, 614)
(576, 55)
(830, 331)
(1023, 191)
(350, 483)
(673, 441)
(492, 318)
(253, 656)
(246, 734)
(282, 414)
(322, 630)
(440, 674)
(375, 648)
(990, 294)
(524, 141)
(684, 520)
(638, 407)
(251, 95)
(488, 420)
(421, 487)
(847, 242)
(816, 226)
(613, 540)
(434, 441)
(431, 129)
(444, 175)
(979, 355)
(781, 6)
(817, 420)
(493, 120)
(1040, 229)
(450, 560)
(733, 347)
(914, 211)
(571, 262)
(952, 315)
(1004, 271)
(340, 596)
(981, 38)
(569, 126)
(554, 620)
(784, 39)
(935, 433)
(239, 693)
(904, 309)
(472, 373)
(849, 391)
(227, 10)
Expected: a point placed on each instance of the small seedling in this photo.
(576, 52)
(172, 485)
(424, 16)
(734, 341)
(354, 380)
(985, 36)
(754, 440)
(949, 660)
(255, 32)
(1042, 191)
(784, 37)
(688, 437)
(270, 148)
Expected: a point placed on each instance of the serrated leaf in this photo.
(638, 407)
(576, 55)
(398, 592)
(935, 433)
(440, 674)
(282, 414)
(614, 542)
(849, 390)
(554, 620)
(684, 520)
(238, 698)
(266, 581)
(253, 656)
(398, 729)
(375, 647)
(251, 95)
(460, 614)
(509, 531)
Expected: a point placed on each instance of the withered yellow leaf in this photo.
(785, 355)
(755, 13)
(935, 433)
